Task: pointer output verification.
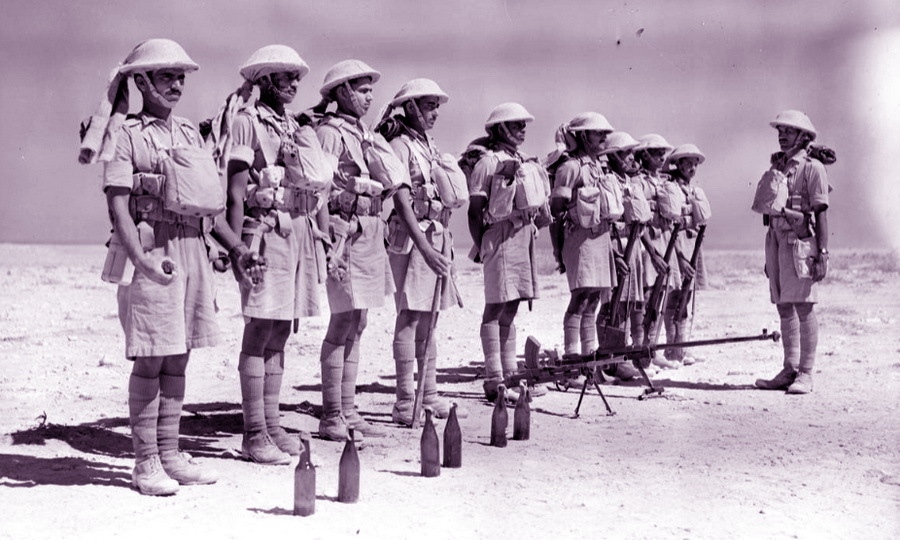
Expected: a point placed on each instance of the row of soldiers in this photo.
(302, 205)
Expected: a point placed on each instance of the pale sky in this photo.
(710, 72)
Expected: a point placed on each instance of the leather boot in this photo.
(803, 384)
(493, 371)
(404, 362)
(274, 368)
(348, 394)
(256, 445)
(782, 381)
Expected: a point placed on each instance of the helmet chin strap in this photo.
(155, 93)
(419, 116)
(282, 95)
(354, 101)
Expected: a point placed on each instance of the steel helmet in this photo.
(590, 121)
(795, 119)
(653, 140)
(508, 112)
(155, 54)
(618, 140)
(419, 88)
(683, 151)
(344, 71)
(273, 59)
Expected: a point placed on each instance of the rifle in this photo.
(609, 332)
(657, 293)
(687, 284)
(543, 366)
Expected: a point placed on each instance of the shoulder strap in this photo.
(270, 155)
(425, 165)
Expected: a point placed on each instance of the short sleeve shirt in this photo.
(139, 143)
(417, 155)
(807, 184)
(248, 147)
(575, 173)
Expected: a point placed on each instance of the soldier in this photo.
(584, 248)
(650, 154)
(168, 307)
(359, 276)
(420, 245)
(281, 214)
(683, 163)
(794, 264)
(619, 151)
(503, 229)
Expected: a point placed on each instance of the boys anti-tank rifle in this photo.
(547, 365)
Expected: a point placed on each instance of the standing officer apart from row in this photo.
(359, 276)
(794, 264)
(279, 209)
(168, 308)
(420, 245)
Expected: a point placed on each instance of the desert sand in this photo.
(712, 458)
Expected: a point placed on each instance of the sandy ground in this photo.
(712, 458)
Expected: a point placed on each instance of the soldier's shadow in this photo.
(23, 471)
(203, 428)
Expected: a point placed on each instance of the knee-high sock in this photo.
(171, 400)
(508, 349)
(637, 325)
(490, 345)
(430, 359)
(790, 335)
(252, 372)
(274, 374)
(143, 412)
(588, 334)
(332, 360)
(809, 337)
(572, 333)
(348, 376)
(404, 359)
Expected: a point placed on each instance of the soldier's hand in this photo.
(435, 260)
(659, 264)
(159, 270)
(687, 270)
(820, 267)
(249, 267)
(621, 264)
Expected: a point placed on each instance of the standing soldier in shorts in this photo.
(280, 214)
(684, 161)
(793, 271)
(650, 154)
(359, 275)
(420, 245)
(167, 308)
(503, 229)
(583, 246)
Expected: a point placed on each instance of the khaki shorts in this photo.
(163, 320)
(784, 284)
(368, 279)
(509, 264)
(589, 260)
(295, 267)
(415, 281)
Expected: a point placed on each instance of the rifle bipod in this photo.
(590, 380)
